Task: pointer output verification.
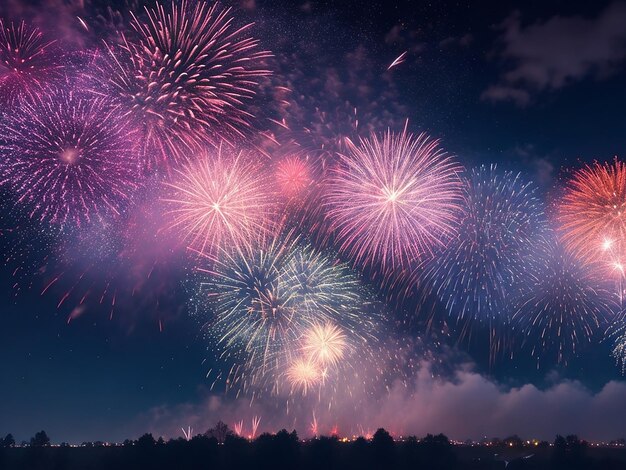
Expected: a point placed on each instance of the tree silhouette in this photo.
(383, 447)
(8, 441)
(219, 432)
(40, 439)
(146, 441)
(569, 452)
(436, 452)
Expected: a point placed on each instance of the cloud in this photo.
(540, 164)
(394, 35)
(506, 93)
(467, 405)
(462, 41)
(550, 54)
(409, 39)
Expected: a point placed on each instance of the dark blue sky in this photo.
(497, 82)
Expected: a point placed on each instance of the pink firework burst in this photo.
(67, 159)
(185, 74)
(325, 343)
(294, 176)
(221, 198)
(28, 62)
(303, 375)
(392, 198)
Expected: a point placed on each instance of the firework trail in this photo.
(222, 199)
(187, 433)
(185, 73)
(392, 199)
(561, 305)
(591, 217)
(67, 159)
(314, 426)
(238, 428)
(398, 60)
(480, 268)
(256, 420)
(28, 63)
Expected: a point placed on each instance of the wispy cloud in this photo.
(552, 53)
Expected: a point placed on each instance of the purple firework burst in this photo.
(28, 62)
(67, 159)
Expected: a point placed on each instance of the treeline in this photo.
(221, 448)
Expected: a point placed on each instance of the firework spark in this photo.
(185, 74)
(68, 159)
(294, 176)
(219, 200)
(591, 211)
(592, 222)
(303, 374)
(187, 433)
(325, 344)
(266, 297)
(256, 420)
(561, 305)
(393, 198)
(619, 346)
(398, 60)
(238, 427)
(482, 265)
(28, 62)
(313, 426)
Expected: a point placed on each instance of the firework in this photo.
(68, 159)
(313, 426)
(185, 73)
(393, 198)
(619, 346)
(253, 307)
(28, 62)
(219, 200)
(562, 304)
(325, 344)
(187, 433)
(266, 297)
(294, 176)
(256, 420)
(320, 284)
(480, 267)
(238, 427)
(592, 208)
(398, 60)
(591, 217)
(303, 374)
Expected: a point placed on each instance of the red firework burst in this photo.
(592, 212)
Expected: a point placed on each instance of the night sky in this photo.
(535, 88)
